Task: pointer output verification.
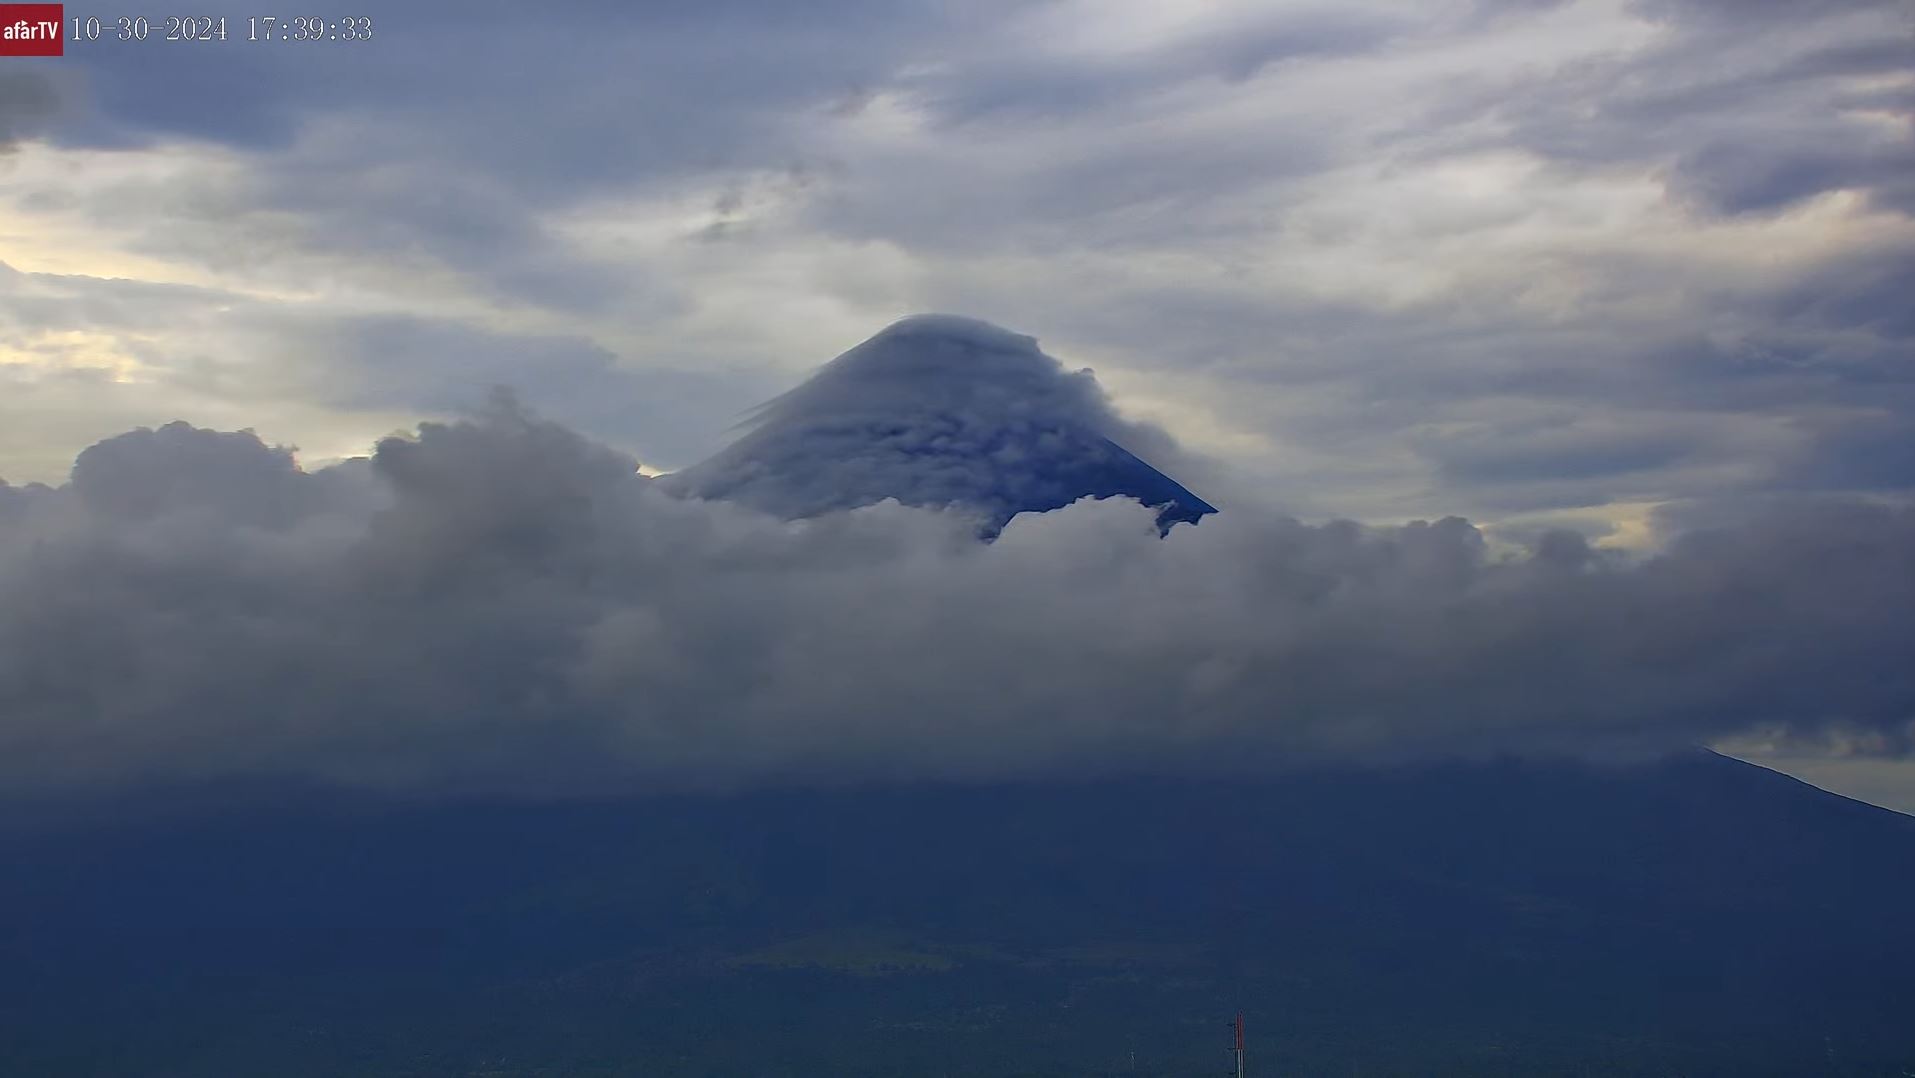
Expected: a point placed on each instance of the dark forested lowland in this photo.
(1696, 916)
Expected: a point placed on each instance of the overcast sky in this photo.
(1620, 267)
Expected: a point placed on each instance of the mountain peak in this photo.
(940, 410)
(955, 327)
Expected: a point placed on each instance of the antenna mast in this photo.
(1237, 1049)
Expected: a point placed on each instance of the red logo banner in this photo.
(32, 29)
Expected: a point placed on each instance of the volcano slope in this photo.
(1695, 916)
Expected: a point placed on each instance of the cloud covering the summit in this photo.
(499, 603)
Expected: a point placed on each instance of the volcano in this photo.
(943, 412)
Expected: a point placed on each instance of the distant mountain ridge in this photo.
(939, 411)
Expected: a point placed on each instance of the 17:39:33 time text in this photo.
(214, 28)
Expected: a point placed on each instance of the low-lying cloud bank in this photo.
(500, 603)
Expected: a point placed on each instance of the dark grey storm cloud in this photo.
(501, 603)
(505, 91)
(28, 103)
(1013, 86)
(441, 141)
(1749, 107)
